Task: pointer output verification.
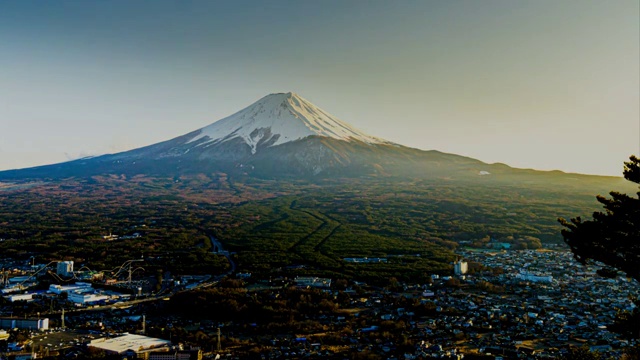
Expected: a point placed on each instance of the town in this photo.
(494, 304)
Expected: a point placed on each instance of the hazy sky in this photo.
(536, 84)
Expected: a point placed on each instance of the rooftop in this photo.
(126, 342)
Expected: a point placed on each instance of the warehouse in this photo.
(129, 343)
(31, 324)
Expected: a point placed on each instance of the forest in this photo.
(274, 226)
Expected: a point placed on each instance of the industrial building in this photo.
(10, 290)
(130, 343)
(32, 324)
(79, 297)
(59, 289)
(20, 297)
(18, 280)
(16, 283)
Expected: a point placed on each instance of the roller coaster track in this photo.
(20, 285)
(127, 266)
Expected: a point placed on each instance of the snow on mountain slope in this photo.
(277, 119)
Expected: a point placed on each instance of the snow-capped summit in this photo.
(277, 119)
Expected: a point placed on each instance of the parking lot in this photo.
(58, 340)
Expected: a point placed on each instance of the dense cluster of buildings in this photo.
(17, 282)
(542, 298)
(518, 304)
(82, 293)
(515, 304)
(79, 293)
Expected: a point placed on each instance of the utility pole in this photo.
(219, 345)
(62, 318)
(130, 266)
(144, 324)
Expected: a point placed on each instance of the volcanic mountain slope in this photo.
(279, 135)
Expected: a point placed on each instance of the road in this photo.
(215, 244)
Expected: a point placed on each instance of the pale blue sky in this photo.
(542, 84)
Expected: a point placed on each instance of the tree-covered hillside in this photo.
(275, 224)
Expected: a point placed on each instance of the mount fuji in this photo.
(277, 119)
(280, 135)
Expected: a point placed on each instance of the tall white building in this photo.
(65, 268)
(460, 267)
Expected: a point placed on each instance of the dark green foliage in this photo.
(631, 353)
(67, 221)
(580, 353)
(231, 304)
(627, 323)
(613, 236)
(313, 230)
(271, 225)
(320, 225)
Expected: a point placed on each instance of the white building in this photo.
(19, 297)
(524, 276)
(10, 290)
(59, 289)
(460, 267)
(85, 298)
(65, 268)
(32, 324)
(18, 279)
(129, 342)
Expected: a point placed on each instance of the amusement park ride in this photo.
(126, 270)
